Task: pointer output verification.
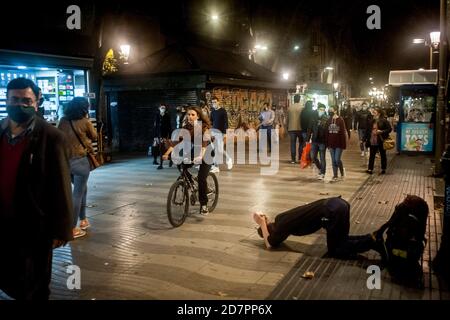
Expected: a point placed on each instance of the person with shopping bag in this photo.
(318, 131)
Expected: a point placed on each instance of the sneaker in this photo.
(160, 167)
(335, 179)
(293, 162)
(204, 210)
(229, 164)
(78, 233)
(363, 154)
(321, 177)
(214, 169)
(369, 171)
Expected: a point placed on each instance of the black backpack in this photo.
(405, 243)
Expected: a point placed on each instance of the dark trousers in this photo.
(294, 136)
(373, 152)
(337, 224)
(26, 276)
(203, 184)
(269, 136)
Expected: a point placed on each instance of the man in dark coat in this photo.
(35, 195)
(162, 132)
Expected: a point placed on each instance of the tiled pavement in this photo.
(131, 251)
(371, 206)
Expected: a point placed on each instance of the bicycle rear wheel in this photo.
(213, 191)
(178, 203)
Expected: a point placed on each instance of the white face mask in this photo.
(162, 111)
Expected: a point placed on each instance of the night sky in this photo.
(374, 52)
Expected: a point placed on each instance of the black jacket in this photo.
(383, 125)
(43, 210)
(306, 117)
(318, 128)
(219, 120)
(162, 126)
(363, 119)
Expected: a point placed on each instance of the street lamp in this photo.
(336, 93)
(296, 47)
(285, 75)
(125, 52)
(433, 44)
(214, 17)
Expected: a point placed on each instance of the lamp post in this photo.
(433, 44)
(336, 86)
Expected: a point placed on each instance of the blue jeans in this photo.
(336, 155)
(315, 149)
(294, 135)
(79, 170)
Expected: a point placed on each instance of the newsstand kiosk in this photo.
(417, 109)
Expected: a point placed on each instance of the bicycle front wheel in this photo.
(178, 204)
(213, 191)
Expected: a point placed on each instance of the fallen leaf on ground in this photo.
(357, 222)
(308, 275)
(222, 294)
(324, 194)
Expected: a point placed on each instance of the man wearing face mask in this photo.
(219, 121)
(35, 195)
(162, 132)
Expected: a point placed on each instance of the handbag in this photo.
(91, 157)
(388, 143)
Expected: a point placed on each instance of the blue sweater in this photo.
(219, 120)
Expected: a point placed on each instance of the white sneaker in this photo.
(214, 169)
(363, 154)
(204, 210)
(321, 177)
(229, 164)
(335, 179)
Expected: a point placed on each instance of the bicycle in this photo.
(185, 191)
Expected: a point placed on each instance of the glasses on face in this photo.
(29, 102)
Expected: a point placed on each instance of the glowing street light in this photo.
(296, 47)
(335, 85)
(329, 68)
(286, 75)
(125, 52)
(418, 41)
(214, 17)
(435, 38)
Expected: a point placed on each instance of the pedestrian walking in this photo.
(295, 129)
(379, 130)
(336, 142)
(36, 210)
(80, 133)
(318, 131)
